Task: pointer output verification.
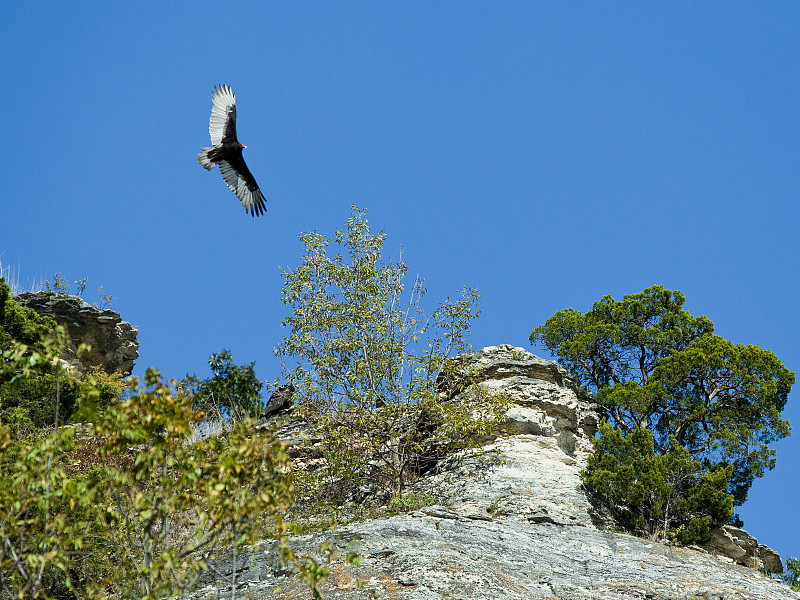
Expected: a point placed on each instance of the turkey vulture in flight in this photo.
(227, 152)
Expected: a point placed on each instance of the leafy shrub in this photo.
(412, 501)
(175, 505)
(44, 388)
(36, 396)
(33, 385)
(137, 509)
(656, 494)
(134, 510)
(21, 324)
(104, 388)
(43, 515)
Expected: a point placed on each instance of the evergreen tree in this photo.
(654, 366)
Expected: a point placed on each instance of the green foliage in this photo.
(653, 365)
(105, 299)
(137, 509)
(62, 288)
(621, 341)
(18, 421)
(35, 382)
(175, 505)
(59, 286)
(36, 397)
(791, 576)
(21, 324)
(45, 510)
(81, 283)
(367, 362)
(412, 501)
(232, 389)
(34, 386)
(104, 388)
(43, 524)
(656, 494)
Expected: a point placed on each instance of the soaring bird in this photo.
(227, 151)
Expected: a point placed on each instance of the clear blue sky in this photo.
(546, 153)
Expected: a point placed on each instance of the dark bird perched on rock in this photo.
(227, 152)
(279, 401)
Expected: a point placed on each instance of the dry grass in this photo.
(12, 277)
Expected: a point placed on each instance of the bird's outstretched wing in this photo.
(222, 125)
(242, 183)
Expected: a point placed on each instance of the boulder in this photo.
(114, 344)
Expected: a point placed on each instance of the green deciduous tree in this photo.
(174, 505)
(368, 359)
(43, 515)
(655, 366)
(792, 575)
(45, 512)
(233, 389)
(136, 507)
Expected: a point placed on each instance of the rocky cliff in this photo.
(114, 344)
(512, 521)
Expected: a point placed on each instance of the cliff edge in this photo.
(512, 521)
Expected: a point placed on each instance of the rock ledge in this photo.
(114, 344)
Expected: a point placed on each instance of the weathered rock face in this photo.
(741, 547)
(435, 553)
(114, 344)
(548, 401)
(512, 521)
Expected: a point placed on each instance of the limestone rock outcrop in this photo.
(114, 344)
(548, 401)
(739, 546)
(512, 521)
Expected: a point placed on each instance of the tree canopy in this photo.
(653, 365)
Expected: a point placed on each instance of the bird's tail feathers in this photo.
(203, 159)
